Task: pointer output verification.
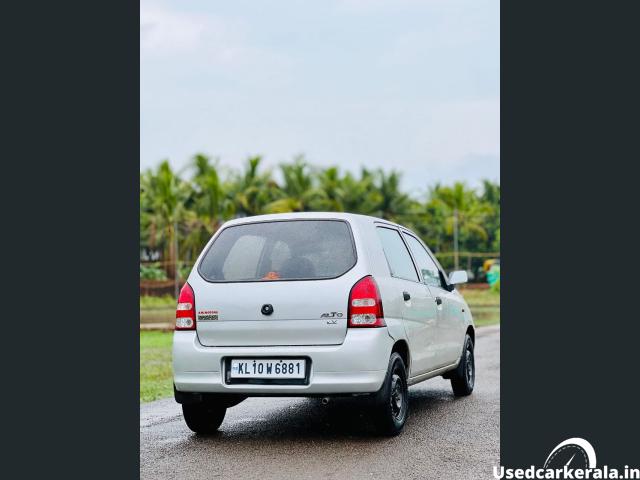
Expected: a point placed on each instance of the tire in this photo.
(463, 378)
(392, 402)
(203, 418)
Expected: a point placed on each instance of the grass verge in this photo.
(155, 366)
(166, 301)
(484, 305)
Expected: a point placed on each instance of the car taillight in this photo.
(186, 309)
(365, 304)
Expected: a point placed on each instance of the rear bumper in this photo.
(358, 365)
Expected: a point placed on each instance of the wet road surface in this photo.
(298, 438)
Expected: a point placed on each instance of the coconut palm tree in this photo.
(394, 204)
(298, 189)
(208, 206)
(190, 211)
(163, 198)
(460, 204)
(491, 196)
(252, 190)
(360, 195)
(330, 192)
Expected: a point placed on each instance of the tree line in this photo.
(180, 211)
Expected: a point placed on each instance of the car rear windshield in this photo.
(283, 250)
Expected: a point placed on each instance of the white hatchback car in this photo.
(317, 305)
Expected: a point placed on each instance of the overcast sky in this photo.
(405, 84)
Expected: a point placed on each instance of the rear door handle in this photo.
(406, 296)
(438, 301)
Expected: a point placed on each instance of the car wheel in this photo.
(392, 403)
(463, 378)
(203, 418)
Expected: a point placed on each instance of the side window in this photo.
(426, 265)
(397, 254)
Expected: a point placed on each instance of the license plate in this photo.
(272, 368)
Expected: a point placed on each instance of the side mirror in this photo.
(458, 277)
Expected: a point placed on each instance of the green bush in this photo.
(185, 270)
(152, 271)
(496, 286)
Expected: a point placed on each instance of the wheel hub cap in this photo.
(397, 397)
(470, 367)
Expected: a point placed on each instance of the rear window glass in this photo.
(285, 250)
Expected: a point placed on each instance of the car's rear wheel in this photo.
(204, 418)
(463, 378)
(392, 403)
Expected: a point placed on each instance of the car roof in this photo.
(354, 217)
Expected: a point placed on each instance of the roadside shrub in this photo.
(496, 286)
(152, 271)
(185, 270)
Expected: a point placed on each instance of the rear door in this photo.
(449, 319)
(419, 310)
(276, 283)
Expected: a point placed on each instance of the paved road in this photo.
(281, 438)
